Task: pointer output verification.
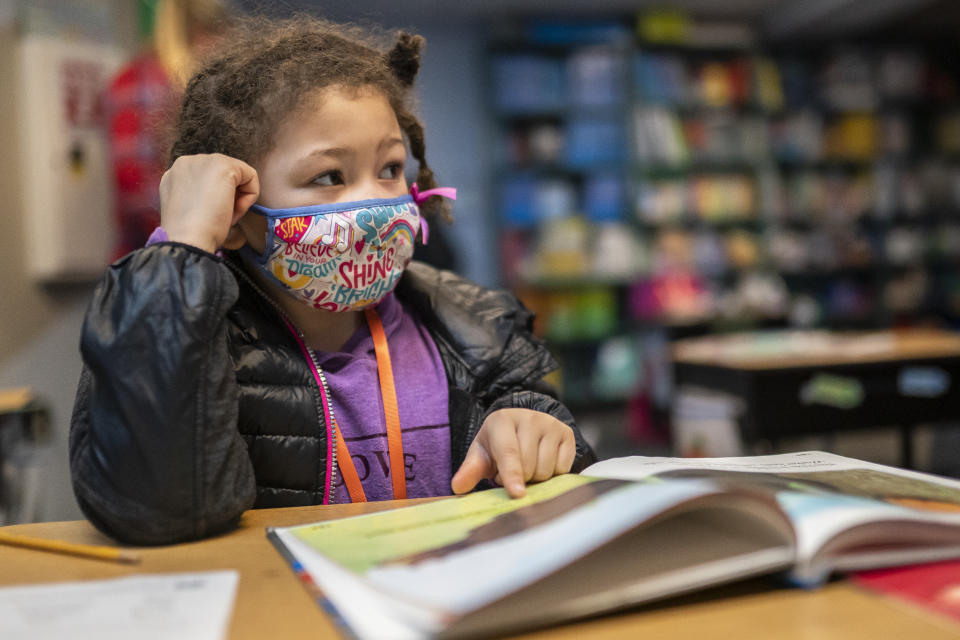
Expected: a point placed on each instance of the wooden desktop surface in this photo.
(832, 348)
(271, 603)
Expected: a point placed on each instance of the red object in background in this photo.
(676, 295)
(640, 426)
(643, 426)
(137, 103)
(515, 246)
(741, 78)
(932, 586)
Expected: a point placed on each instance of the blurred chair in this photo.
(24, 433)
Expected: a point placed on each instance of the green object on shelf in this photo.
(596, 313)
(146, 17)
(562, 321)
(663, 27)
(586, 314)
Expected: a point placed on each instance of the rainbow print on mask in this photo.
(399, 227)
(339, 257)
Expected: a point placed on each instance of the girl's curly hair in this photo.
(264, 69)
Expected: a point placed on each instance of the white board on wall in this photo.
(66, 181)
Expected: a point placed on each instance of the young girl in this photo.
(273, 345)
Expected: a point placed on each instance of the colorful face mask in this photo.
(344, 256)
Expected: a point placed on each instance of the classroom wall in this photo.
(40, 324)
(30, 309)
(33, 309)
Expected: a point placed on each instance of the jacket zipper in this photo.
(331, 433)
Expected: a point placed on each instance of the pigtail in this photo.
(404, 58)
(403, 61)
(434, 205)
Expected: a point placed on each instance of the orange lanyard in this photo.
(392, 418)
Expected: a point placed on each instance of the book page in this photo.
(188, 606)
(640, 467)
(823, 493)
(439, 560)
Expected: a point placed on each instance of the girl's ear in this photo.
(236, 238)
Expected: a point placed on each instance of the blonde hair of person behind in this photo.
(177, 25)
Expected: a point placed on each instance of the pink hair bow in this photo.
(421, 196)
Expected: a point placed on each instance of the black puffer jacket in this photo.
(196, 403)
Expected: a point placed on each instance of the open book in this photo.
(625, 531)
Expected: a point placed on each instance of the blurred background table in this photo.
(794, 383)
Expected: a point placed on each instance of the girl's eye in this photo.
(328, 179)
(392, 171)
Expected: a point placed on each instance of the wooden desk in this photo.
(805, 383)
(271, 603)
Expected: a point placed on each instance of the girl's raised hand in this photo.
(515, 446)
(202, 196)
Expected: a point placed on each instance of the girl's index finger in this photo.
(248, 180)
(504, 448)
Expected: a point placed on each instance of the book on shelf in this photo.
(623, 532)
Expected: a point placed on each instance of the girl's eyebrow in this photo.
(339, 152)
(389, 142)
(336, 152)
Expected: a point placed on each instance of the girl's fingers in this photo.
(247, 192)
(529, 438)
(547, 456)
(504, 447)
(476, 466)
(202, 196)
(566, 454)
(515, 446)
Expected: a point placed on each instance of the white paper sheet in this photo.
(176, 606)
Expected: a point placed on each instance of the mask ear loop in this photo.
(424, 229)
(269, 239)
(419, 197)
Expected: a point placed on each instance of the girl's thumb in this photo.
(475, 467)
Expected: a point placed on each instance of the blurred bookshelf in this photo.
(658, 177)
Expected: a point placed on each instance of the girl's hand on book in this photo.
(516, 446)
(202, 196)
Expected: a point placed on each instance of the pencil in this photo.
(72, 548)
